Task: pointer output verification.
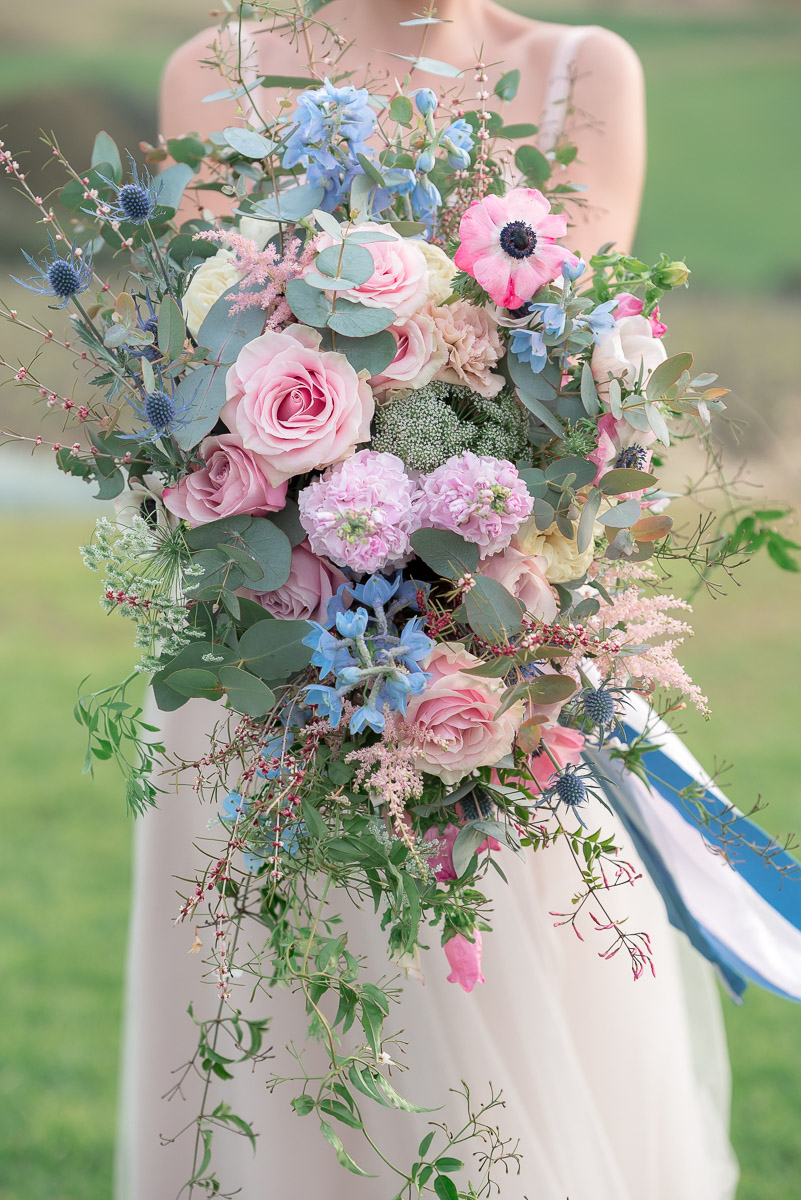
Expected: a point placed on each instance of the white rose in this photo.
(258, 231)
(213, 277)
(441, 271)
(629, 347)
(563, 563)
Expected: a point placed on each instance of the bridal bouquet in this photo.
(385, 461)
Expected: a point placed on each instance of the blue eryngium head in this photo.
(61, 277)
(159, 413)
(136, 200)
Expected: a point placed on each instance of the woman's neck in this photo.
(371, 21)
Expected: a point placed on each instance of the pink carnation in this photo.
(296, 406)
(479, 497)
(464, 960)
(233, 480)
(508, 245)
(311, 584)
(361, 513)
(400, 279)
(524, 576)
(420, 354)
(473, 347)
(454, 724)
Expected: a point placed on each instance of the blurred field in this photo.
(724, 176)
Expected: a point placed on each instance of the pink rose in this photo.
(453, 725)
(311, 584)
(464, 959)
(524, 577)
(400, 279)
(629, 305)
(564, 744)
(421, 353)
(296, 406)
(628, 349)
(473, 347)
(234, 480)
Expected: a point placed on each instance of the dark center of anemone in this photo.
(135, 202)
(159, 410)
(63, 278)
(634, 457)
(518, 239)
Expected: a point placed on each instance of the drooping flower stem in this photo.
(167, 280)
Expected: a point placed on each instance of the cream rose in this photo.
(628, 349)
(257, 230)
(563, 562)
(213, 277)
(441, 271)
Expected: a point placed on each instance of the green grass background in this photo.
(724, 91)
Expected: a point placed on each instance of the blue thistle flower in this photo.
(570, 788)
(598, 706)
(60, 277)
(136, 200)
(160, 414)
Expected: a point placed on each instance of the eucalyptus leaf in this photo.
(401, 110)
(105, 151)
(262, 538)
(507, 85)
(514, 132)
(171, 329)
(224, 333)
(371, 354)
(274, 650)
(582, 469)
(351, 260)
(658, 423)
(433, 66)
(292, 205)
(492, 612)
(622, 516)
(666, 374)
(172, 184)
(307, 303)
(625, 479)
(446, 553)
(288, 521)
(358, 320)
(328, 224)
(466, 844)
(615, 399)
(246, 693)
(194, 681)
(584, 533)
(204, 390)
(589, 393)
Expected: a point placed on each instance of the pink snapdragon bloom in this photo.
(311, 584)
(477, 496)
(454, 724)
(400, 279)
(629, 305)
(362, 513)
(420, 354)
(232, 481)
(464, 960)
(473, 347)
(524, 576)
(564, 744)
(442, 862)
(298, 407)
(508, 245)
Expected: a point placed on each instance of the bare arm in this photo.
(609, 128)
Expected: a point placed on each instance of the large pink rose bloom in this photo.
(508, 245)
(454, 724)
(477, 496)
(524, 576)
(400, 279)
(232, 481)
(421, 353)
(361, 513)
(625, 351)
(311, 584)
(296, 406)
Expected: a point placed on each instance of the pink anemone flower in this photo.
(508, 245)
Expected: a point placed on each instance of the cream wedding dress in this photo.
(615, 1090)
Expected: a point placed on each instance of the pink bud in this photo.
(464, 958)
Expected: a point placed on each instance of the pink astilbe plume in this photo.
(387, 771)
(265, 273)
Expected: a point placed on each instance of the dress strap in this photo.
(557, 92)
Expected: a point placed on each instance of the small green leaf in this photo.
(274, 650)
(291, 205)
(513, 132)
(666, 374)
(401, 110)
(309, 305)
(492, 611)
(371, 171)
(371, 354)
(625, 479)
(314, 822)
(465, 845)
(507, 85)
(105, 151)
(303, 1105)
(586, 525)
(622, 516)
(449, 1164)
(193, 681)
(358, 320)
(171, 329)
(343, 1158)
(247, 143)
(246, 693)
(445, 1188)
(446, 553)
(589, 394)
(533, 164)
(289, 81)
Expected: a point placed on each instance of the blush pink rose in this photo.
(311, 584)
(233, 480)
(454, 724)
(421, 352)
(524, 576)
(564, 744)
(464, 960)
(400, 279)
(296, 406)
(473, 347)
(625, 351)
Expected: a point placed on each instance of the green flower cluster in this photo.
(427, 427)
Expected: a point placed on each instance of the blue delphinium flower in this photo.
(329, 654)
(60, 277)
(600, 320)
(327, 701)
(426, 102)
(160, 414)
(552, 317)
(136, 200)
(573, 270)
(457, 141)
(332, 126)
(528, 346)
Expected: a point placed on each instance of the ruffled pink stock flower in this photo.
(420, 354)
(464, 960)
(508, 245)
(311, 584)
(233, 480)
(400, 279)
(629, 305)
(361, 513)
(296, 406)
(477, 496)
